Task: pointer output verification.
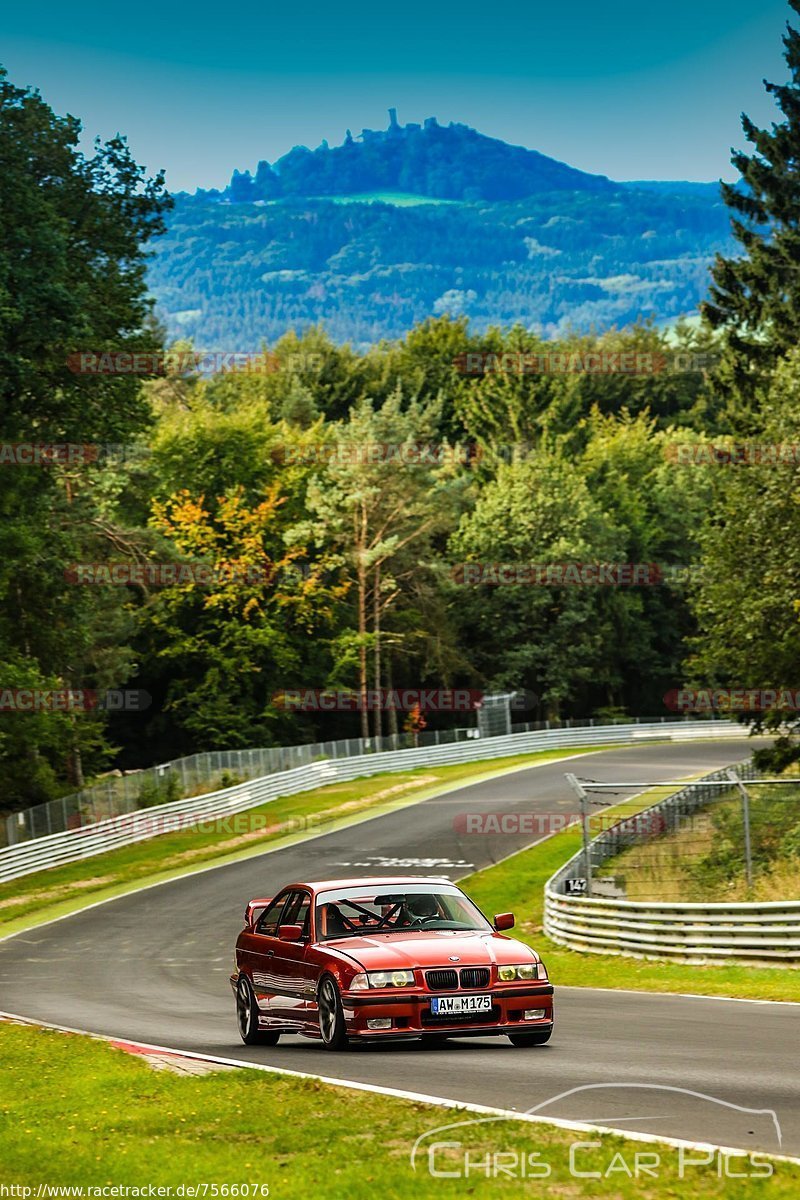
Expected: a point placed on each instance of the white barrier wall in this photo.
(694, 933)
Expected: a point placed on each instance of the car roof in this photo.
(323, 885)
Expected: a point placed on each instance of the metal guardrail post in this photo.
(748, 850)
(584, 803)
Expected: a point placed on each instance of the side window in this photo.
(270, 918)
(297, 911)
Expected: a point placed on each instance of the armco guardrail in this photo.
(681, 931)
(71, 845)
(684, 932)
(119, 793)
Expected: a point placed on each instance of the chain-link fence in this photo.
(732, 836)
(118, 793)
(595, 722)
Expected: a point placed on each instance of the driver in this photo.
(421, 908)
(334, 923)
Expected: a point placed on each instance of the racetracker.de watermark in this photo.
(565, 574)
(647, 824)
(168, 574)
(743, 454)
(69, 454)
(374, 453)
(73, 700)
(135, 1191)
(451, 700)
(47, 454)
(245, 825)
(733, 700)
(631, 363)
(155, 363)
(404, 454)
(642, 825)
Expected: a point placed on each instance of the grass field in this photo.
(77, 1112)
(661, 869)
(52, 893)
(518, 884)
(400, 199)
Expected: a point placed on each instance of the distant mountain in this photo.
(370, 237)
(451, 162)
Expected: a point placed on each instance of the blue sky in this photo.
(626, 89)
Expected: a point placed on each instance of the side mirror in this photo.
(503, 921)
(254, 910)
(290, 933)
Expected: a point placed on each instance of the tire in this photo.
(536, 1037)
(247, 1017)
(331, 1015)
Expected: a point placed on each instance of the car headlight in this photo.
(381, 979)
(534, 970)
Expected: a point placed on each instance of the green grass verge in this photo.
(518, 884)
(77, 1112)
(400, 199)
(60, 890)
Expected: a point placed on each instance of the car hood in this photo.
(385, 951)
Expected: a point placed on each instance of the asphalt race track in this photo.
(154, 966)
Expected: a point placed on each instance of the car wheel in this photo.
(536, 1037)
(247, 1017)
(331, 1015)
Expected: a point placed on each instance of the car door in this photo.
(295, 995)
(258, 949)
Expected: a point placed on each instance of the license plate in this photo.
(442, 1005)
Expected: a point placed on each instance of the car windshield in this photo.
(355, 911)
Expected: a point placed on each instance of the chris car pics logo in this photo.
(506, 1146)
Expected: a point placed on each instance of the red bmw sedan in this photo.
(367, 959)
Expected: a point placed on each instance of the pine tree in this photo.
(755, 299)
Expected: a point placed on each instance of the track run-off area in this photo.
(153, 966)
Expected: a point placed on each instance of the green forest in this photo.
(232, 274)
(335, 496)
(451, 162)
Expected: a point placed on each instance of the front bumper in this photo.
(411, 1015)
